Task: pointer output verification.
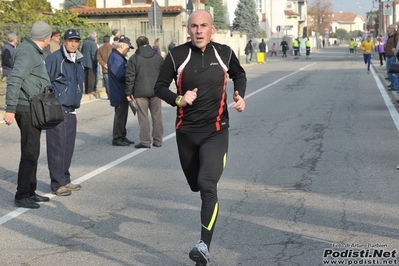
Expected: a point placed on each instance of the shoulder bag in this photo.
(46, 109)
(394, 69)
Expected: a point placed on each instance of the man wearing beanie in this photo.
(67, 64)
(28, 77)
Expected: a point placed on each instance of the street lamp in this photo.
(190, 7)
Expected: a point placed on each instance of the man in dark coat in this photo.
(89, 51)
(116, 77)
(141, 75)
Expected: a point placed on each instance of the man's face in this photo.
(56, 38)
(200, 28)
(391, 29)
(71, 45)
(124, 49)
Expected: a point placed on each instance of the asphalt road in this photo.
(311, 177)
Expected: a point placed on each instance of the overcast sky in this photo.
(355, 6)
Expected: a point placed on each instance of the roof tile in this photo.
(86, 10)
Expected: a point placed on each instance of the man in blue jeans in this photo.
(390, 47)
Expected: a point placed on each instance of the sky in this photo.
(355, 6)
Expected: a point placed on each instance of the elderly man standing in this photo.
(390, 46)
(66, 73)
(141, 75)
(28, 78)
(102, 57)
(116, 76)
(89, 51)
(6, 54)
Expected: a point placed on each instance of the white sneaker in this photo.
(200, 254)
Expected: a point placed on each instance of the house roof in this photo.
(343, 17)
(86, 10)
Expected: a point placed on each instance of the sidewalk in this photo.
(382, 73)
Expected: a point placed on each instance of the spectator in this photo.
(156, 47)
(248, 51)
(141, 75)
(7, 51)
(89, 51)
(274, 49)
(117, 95)
(66, 63)
(115, 33)
(27, 78)
(102, 57)
(55, 41)
(284, 47)
(172, 44)
(116, 40)
(381, 49)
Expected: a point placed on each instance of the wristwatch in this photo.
(178, 100)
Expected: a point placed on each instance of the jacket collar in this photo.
(79, 55)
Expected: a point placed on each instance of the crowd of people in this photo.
(70, 68)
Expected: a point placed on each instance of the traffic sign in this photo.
(387, 8)
(155, 18)
(371, 29)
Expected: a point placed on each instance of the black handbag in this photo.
(394, 69)
(46, 109)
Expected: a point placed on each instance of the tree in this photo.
(246, 19)
(219, 12)
(320, 15)
(91, 3)
(341, 34)
(69, 4)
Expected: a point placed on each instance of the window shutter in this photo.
(127, 2)
(148, 2)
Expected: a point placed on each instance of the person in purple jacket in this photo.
(380, 48)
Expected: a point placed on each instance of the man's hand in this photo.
(9, 118)
(189, 97)
(240, 103)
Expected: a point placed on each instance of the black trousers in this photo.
(120, 120)
(60, 146)
(30, 151)
(203, 158)
(90, 80)
(382, 55)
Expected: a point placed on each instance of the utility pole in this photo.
(394, 13)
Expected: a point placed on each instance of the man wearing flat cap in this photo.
(66, 71)
(27, 78)
(116, 77)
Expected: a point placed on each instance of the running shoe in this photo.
(200, 254)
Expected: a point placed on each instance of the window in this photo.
(130, 2)
(144, 26)
(289, 6)
(146, 29)
(258, 6)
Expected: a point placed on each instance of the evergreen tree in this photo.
(246, 20)
(219, 12)
(69, 4)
